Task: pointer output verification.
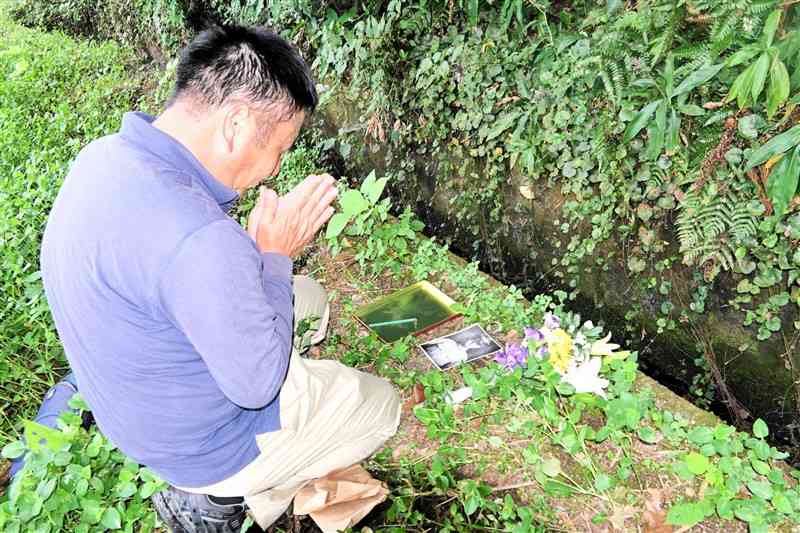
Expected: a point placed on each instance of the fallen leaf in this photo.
(620, 514)
(527, 192)
(419, 394)
(654, 516)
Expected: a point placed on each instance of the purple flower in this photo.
(541, 352)
(533, 334)
(513, 356)
(551, 321)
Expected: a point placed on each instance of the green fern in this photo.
(711, 225)
(733, 19)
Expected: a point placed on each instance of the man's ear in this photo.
(238, 126)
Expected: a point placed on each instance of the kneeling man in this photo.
(178, 323)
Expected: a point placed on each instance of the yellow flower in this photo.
(559, 346)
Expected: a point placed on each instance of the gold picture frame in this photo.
(409, 311)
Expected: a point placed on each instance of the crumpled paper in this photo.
(340, 499)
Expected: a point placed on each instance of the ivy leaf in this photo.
(775, 146)
(779, 86)
(685, 514)
(782, 504)
(124, 490)
(761, 489)
(29, 505)
(760, 429)
(502, 124)
(148, 489)
(750, 511)
(46, 488)
(697, 78)
(782, 181)
(640, 121)
(111, 519)
(760, 75)
(603, 482)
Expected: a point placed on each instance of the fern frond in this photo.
(710, 227)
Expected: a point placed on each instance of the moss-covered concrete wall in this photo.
(754, 378)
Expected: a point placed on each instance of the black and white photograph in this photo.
(463, 346)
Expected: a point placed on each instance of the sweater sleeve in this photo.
(234, 305)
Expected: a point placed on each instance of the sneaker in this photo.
(185, 512)
(55, 402)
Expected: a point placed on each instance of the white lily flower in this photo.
(603, 346)
(586, 377)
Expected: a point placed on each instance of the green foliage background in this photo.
(630, 126)
(524, 100)
(55, 95)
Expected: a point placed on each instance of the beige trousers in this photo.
(332, 416)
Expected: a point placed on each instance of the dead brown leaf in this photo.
(620, 515)
(654, 517)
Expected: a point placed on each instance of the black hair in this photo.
(235, 61)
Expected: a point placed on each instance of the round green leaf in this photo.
(701, 435)
(111, 519)
(92, 511)
(125, 489)
(551, 467)
(29, 505)
(647, 435)
(603, 482)
(760, 429)
(13, 450)
(685, 514)
(782, 503)
(697, 464)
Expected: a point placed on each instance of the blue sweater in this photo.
(177, 328)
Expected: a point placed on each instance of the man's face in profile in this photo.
(262, 150)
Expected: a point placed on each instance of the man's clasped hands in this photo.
(286, 224)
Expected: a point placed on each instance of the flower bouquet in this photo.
(576, 352)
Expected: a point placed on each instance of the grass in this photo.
(56, 94)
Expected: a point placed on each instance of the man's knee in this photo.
(311, 311)
(309, 293)
(387, 403)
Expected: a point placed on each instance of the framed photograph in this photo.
(463, 346)
(412, 310)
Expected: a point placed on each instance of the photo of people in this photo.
(463, 346)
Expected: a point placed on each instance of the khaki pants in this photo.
(332, 416)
